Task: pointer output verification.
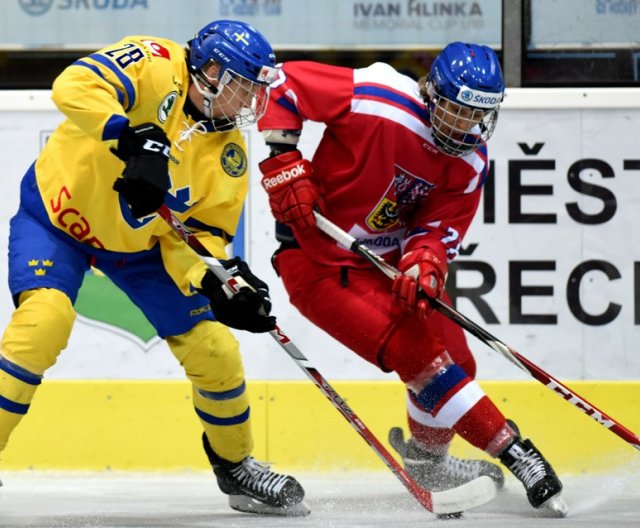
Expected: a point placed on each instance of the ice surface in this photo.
(347, 500)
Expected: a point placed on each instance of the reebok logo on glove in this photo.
(284, 177)
(292, 194)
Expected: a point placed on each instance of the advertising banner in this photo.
(584, 24)
(298, 24)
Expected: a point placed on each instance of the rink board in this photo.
(151, 425)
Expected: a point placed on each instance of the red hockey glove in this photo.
(422, 269)
(292, 194)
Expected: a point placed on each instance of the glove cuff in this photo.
(275, 163)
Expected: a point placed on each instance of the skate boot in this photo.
(253, 488)
(536, 474)
(440, 472)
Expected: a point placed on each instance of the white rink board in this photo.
(545, 142)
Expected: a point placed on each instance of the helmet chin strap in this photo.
(203, 84)
(209, 93)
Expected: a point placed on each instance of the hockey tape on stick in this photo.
(349, 242)
(470, 495)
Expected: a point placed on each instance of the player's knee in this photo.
(410, 348)
(39, 329)
(434, 370)
(455, 343)
(210, 356)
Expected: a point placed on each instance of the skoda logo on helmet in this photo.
(478, 98)
(466, 95)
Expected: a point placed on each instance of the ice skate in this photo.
(253, 488)
(440, 472)
(536, 474)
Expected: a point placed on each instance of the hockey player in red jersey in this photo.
(400, 167)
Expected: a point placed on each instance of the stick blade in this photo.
(470, 495)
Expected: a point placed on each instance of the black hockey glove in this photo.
(145, 179)
(249, 308)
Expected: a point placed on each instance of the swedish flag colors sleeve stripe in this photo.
(96, 70)
(114, 127)
(216, 420)
(13, 407)
(224, 395)
(19, 373)
(126, 82)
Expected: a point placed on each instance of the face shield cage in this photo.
(239, 101)
(458, 129)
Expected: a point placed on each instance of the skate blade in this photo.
(556, 506)
(245, 504)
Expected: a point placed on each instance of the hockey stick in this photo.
(469, 495)
(346, 240)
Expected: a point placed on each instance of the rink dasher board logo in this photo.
(41, 7)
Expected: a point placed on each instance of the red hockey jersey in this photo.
(377, 168)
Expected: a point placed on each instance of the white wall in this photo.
(545, 141)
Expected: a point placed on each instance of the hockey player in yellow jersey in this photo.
(149, 122)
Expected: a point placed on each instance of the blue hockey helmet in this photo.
(236, 46)
(464, 90)
(246, 63)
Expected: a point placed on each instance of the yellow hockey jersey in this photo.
(140, 79)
